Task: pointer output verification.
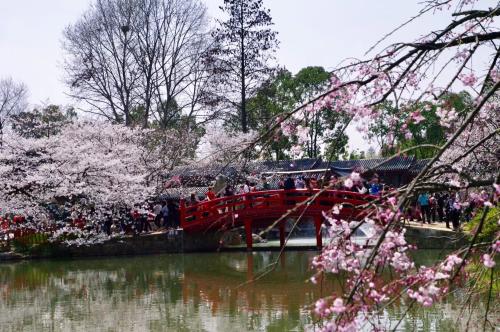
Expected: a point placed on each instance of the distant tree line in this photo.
(160, 64)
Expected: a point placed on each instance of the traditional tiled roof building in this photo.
(395, 172)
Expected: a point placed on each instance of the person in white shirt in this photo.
(300, 183)
(246, 187)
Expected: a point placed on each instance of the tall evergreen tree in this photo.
(244, 46)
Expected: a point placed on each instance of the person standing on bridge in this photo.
(313, 182)
(173, 214)
(265, 183)
(325, 180)
(164, 214)
(453, 210)
(375, 187)
(289, 183)
(228, 191)
(241, 190)
(210, 194)
(246, 187)
(300, 183)
(157, 212)
(193, 199)
(440, 204)
(307, 183)
(425, 208)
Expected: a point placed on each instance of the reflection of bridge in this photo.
(285, 289)
(263, 208)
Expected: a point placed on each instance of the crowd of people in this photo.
(448, 207)
(451, 208)
(162, 215)
(330, 180)
(155, 216)
(290, 182)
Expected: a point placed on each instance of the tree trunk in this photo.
(243, 107)
(127, 118)
(145, 123)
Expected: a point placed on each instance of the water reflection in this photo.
(175, 292)
(197, 292)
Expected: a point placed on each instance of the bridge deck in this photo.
(263, 208)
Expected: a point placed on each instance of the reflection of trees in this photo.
(175, 292)
(159, 292)
(446, 316)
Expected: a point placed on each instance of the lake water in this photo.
(185, 292)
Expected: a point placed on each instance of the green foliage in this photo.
(388, 128)
(45, 122)
(429, 131)
(169, 118)
(490, 225)
(354, 155)
(33, 244)
(281, 95)
(243, 46)
(336, 146)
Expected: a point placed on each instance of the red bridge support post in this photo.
(282, 235)
(317, 224)
(182, 213)
(248, 233)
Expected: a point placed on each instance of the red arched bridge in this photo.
(263, 208)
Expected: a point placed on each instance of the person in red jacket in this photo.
(4, 224)
(210, 194)
(18, 219)
(80, 222)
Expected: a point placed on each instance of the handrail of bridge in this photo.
(255, 203)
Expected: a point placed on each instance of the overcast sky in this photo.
(311, 32)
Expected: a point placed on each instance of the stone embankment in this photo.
(424, 237)
(145, 244)
(434, 236)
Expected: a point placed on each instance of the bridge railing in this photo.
(254, 203)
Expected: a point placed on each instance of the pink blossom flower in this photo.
(417, 117)
(302, 133)
(441, 275)
(450, 262)
(401, 262)
(338, 306)
(447, 117)
(495, 75)
(348, 183)
(488, 261)
(497, 188)
(355, 177)
(468, 79)
(320, 307)
(287, 128)
(455, 259)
